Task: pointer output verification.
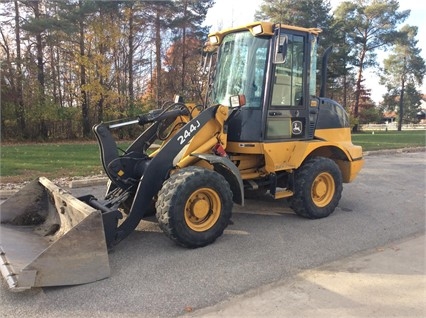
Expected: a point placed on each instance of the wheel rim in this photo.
(323, 189)
(202, 209)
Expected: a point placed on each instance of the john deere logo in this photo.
(297, 127)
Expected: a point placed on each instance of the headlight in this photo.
(213, 39)
(257, 29)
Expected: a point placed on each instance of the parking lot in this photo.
(267, 243)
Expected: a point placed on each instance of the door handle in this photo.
(275, 113)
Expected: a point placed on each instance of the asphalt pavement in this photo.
(389, 281)
(366, 259)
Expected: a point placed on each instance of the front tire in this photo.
(194, 206)
(317, 188)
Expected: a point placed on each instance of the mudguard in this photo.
(229, 171)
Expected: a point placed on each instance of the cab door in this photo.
(287, 114)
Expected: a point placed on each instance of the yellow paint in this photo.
(205, 139)
(350, 169)
(267, 30)
(289, 155)
(342, 136)
(256, 159)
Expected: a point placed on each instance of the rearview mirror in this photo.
(281, 45)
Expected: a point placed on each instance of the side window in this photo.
(288, 77)
(259, 77)
(256, 77)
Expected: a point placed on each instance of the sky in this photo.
(229, 13)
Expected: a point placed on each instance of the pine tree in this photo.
(187, 22)
(371, 25)
(303, 13)
(403, 70)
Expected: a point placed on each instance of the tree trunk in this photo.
(84, 103)
(100, 108)
(39, 45)
(130, 60)
(53, 72)
(19, 104)
(158, 56)
(182, 84)
(401, 104)
(44, 131)
(345, 91)
(58, 77)
(358, 90)
(11, 71)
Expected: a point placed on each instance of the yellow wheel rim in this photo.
(202, 209)
(323, 189)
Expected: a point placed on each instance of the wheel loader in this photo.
(261, 131)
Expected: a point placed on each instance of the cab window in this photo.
(288, 77)
(241, 68)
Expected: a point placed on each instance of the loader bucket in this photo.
(50, 238)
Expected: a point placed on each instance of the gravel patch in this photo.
(65, 182)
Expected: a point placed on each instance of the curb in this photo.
(87, 182)
(394, 151)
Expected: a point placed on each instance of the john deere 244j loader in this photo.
(260, 130)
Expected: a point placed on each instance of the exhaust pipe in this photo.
(324, 71)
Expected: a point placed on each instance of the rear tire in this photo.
(194, 206)
(317, 188)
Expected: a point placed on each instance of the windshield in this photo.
(241, 68)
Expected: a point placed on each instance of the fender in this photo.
(229, 171)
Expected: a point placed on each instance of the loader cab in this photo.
(274, 66)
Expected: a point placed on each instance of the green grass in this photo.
(390, 139)
(52, 160)
(23, 162)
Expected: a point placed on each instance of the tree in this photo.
(371, 26)
(20, 109)
(157, 16)
(188, 25)
(36, 26)
(67, 64)
(303, 13)
(402, 71)
(368, 113)
(340, 65)
(130, 13)
(411, 103)
(192, 90)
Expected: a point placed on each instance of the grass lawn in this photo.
(24, 162)
(390, 139)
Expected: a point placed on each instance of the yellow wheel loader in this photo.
(261, 130)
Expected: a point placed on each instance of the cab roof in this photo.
(260, 29)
